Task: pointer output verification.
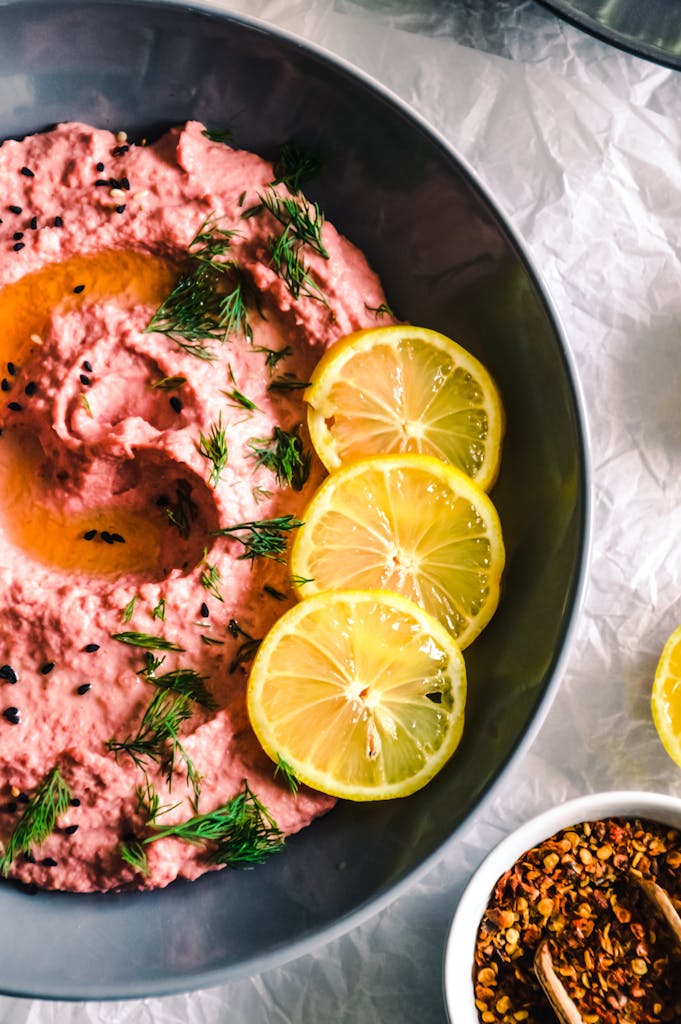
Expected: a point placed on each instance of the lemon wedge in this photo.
(405, 389)
(666, 696)
(407, 523)
(360, 693)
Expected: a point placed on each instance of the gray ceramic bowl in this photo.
(448, 261)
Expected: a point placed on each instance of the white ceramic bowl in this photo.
(460, 947)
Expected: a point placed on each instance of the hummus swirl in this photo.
(114, 496)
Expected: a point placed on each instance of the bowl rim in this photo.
(326, 933)
(459, 949)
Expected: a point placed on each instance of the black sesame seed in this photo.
(5, 385)
(204, 611)
(17, 235)
(114, 182)
(30, 388)
(12, 715)
(83, 688)
(79, 288)
(29, 857)
(23, 798)
(84, 379)
(18, 246)
(74, 801)
(14, 406)
(101, 182)
(273, 592)
(47, 668)
(48, 862)
(100, 166)
(11, 369)
(91, 648)
(120, 150)
(58, 222)
(106, 537)
(176, 404)
(71, 830)
(8, 674)
(118, 538)
(33, 224)
(15, 209)
(87, 366)
(125, 184)
(27, 172)
(120, 209)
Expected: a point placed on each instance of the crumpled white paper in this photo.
(581, 146)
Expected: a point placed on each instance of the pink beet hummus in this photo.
(112, 502)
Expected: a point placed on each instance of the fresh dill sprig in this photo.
(287, 382)
(211, 241)
(214, 447)
(303, 220)
(186, 681)
(133, 853)
(241, 833)
(218, 134)
(284, 769)
(210, 579)
(157, 738)
(284, 455)
(300, 581)
(260, 494)
(200, 307)
(159, 612)
(129, 609)
(149, 802)
(264, 538)
(273, 355)
(86, 405)
(286, 260)
(211, 641)
(38, 820)
(237, 398)
(233, 310)
(169, 383)
(182, 513)
(295, 165)
(151, 664)
(382, 310)
(245, 652)
(147, 642)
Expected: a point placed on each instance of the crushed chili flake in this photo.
(616, 959)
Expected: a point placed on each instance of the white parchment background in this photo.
(580, 145)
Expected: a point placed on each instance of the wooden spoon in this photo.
(661, 903)
(563, 1007)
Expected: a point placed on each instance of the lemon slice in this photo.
(360, 693)
(666, 696)
(407, 523)
(405, 389)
